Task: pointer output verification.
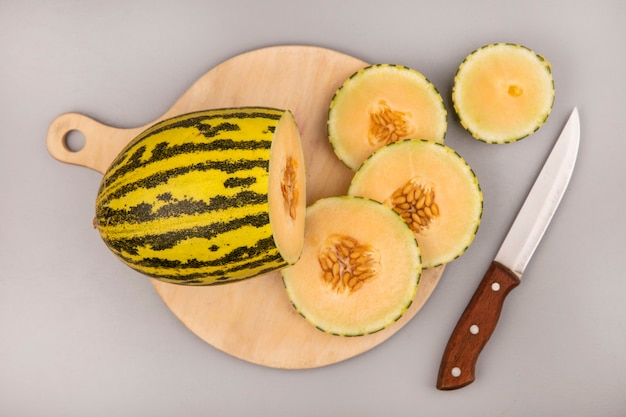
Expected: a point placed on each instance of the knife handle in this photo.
(475, 327)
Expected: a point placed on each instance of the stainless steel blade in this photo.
(544, 197)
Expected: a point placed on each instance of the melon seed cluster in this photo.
(388, 125)
(346, 263)
(416, 204)
(288, 187)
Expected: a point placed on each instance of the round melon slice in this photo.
(503, 92)
(432, 188)
(380, 104)
(359, 268)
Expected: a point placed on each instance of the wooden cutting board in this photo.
(253, 320)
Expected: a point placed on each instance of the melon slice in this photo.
(380, 104)
(432, 188)
(503, 92)
(359, 268)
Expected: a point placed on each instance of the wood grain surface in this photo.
(253, 320)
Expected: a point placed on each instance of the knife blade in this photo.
(478, 321)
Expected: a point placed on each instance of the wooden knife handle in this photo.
(475, 327)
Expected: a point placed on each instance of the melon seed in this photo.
(515, 90)
(289, 188)
(387, 125)
(415, 203)
(346, 264)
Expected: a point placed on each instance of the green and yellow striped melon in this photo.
(207, 197)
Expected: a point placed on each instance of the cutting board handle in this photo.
(102, 142)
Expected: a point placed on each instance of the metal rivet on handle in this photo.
(456, 372)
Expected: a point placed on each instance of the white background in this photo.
(83, 335)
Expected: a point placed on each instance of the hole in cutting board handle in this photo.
(74, 140)
(77, 139)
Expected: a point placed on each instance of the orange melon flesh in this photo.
(381, 104)
(503, 92)
(393, 261)
(287, 189)
(430, 166)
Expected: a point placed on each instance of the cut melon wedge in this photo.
(432, 188)
(380, 104)
(359, 268)
(503, 92)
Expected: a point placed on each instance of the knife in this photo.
(481, 315)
